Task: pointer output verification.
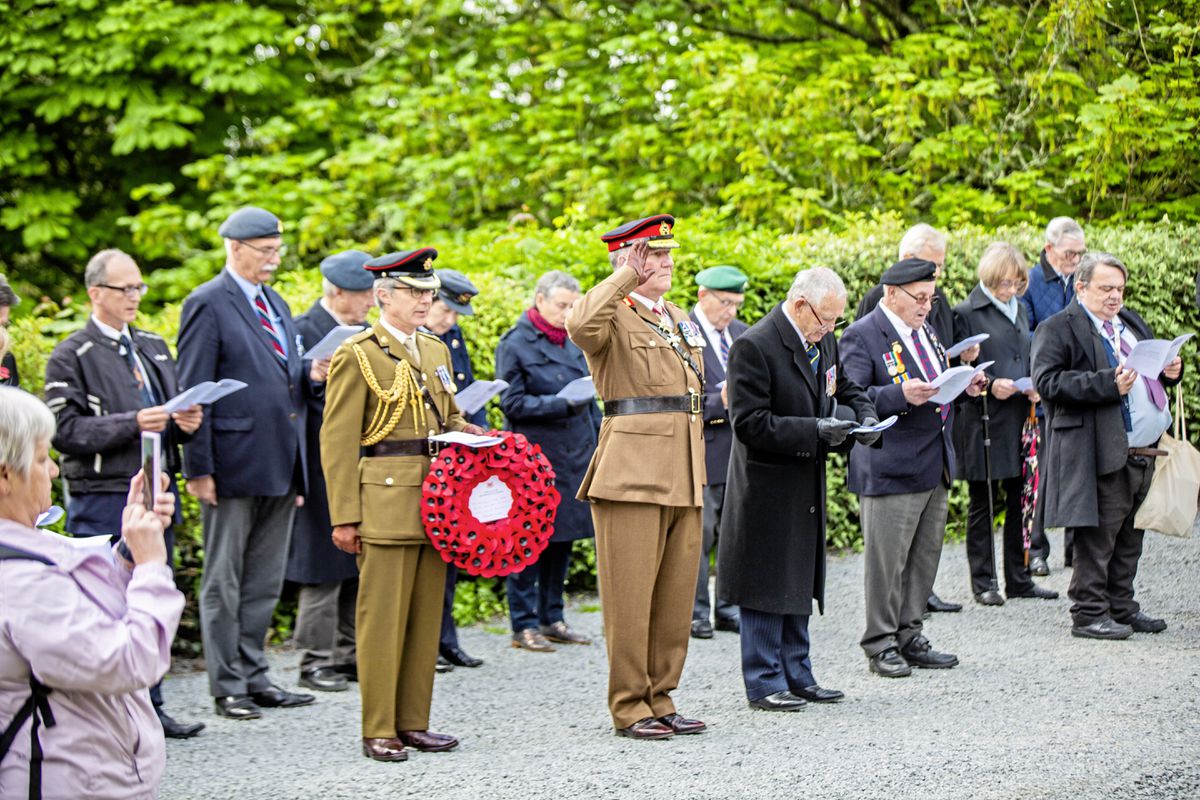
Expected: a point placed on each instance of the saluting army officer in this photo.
(645, 478)
(389, 389)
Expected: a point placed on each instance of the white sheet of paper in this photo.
(476, 395)
(579, 390)
(953, 381)
(466, 439)
(206, 392)
(48, 517)
(880, 426)
(1023, 384)
(1150, 357)
(89, 542)
(490, 500)
(330, 342)
(968, 342)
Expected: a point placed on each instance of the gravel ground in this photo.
(1030, 713)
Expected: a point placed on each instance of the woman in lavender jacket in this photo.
(93, 627)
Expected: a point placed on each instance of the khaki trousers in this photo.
(399, 613)
(646, 559)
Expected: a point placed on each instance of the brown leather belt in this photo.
(686, 404)
(406, 447)
(1149, 452)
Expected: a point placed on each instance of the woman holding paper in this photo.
(992, 308)
(538, 361)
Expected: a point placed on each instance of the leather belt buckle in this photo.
(694, 399)
(434, 447)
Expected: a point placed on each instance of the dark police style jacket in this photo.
(1083, 410)
(771, 554)
(536, 370)
(917, 452)
(95, 399)
(252, 441)
(464, 376)
(718, 434)
(312, 557)
(1008, 346)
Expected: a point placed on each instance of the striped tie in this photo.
(1153, 385)
(264, 319)
(927, 368)
(814, 355)
(724, 349)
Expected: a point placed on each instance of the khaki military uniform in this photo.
(645, 483)
(402, 577)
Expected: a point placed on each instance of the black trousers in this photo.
(1106, 556)
(1006, 495)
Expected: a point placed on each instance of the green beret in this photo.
(723, 279)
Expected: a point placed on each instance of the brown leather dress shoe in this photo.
(648, 728)
(559, 632)
(682, 725)
(427, 741)
(384, 749)
(532, 639)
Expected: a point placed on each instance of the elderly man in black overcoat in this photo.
(785, 388)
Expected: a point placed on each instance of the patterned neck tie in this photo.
(814, 355)
(927, 368)
(723, 350)
(144, 387)
(1153, 385)
(264, 319)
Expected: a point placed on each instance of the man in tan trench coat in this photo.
(645, 478)
(389, 389)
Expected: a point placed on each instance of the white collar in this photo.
(646, 301)
(901, 326)
(796, 328)
(325, 305)
(399, 335)
(110, 331)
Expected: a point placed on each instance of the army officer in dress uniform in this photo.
(646, 475)
(389, 389)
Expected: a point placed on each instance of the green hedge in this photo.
(505, 262)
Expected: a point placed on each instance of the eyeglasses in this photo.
(1073, 255)
(418, 293)
(269, 252)
(921, 299)
(135, 291)
(825, 325)
(727, 303)
(1010, 284)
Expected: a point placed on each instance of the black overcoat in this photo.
(771, 554)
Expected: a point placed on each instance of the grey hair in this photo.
(1087, 266)
(555, 279)
(328, 288)
(25, 422)
(920, 237)
(815, 284)
(389, 284)
(1062, 227)
(7, 296)
(96, 271)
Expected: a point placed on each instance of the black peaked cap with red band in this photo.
(658, 229)
(411, 267)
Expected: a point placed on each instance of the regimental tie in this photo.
(724, 348)
(264, 319)
(144, 387)
(1153, 385)
(927, 368)
(660, 308)
(814, 355)
(410, 344)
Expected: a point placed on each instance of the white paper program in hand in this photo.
(466, 439)
(1150, 357)
(967, 343)
(330, 342)
(953, 381)
(579, 390)
(476, 395)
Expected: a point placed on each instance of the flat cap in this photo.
(723, 279)
(656, 228)
(910, 270)
(345, 270)
(457, 291)
(411, 267)
(250, 222)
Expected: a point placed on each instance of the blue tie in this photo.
(814, 355)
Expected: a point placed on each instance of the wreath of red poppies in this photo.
(503, 546)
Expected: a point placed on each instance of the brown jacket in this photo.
(380, 494)
(640, 458)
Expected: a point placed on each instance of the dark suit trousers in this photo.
(979, 537)
(774, 652)
(1106, 556)
(535, 594)
(448, 638)
(714, 504)
(325, 624)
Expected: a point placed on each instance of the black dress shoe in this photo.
(237, 706)
(648, 728)
(1103, 628)
(1036, 592)
(443, 666)
(815, 694)
(323, 679)
(889, 664)
(428, 741)
(1038, 567)
(349, 670)
(173, 729)
(732, 625)
(920, 653)
(780, 701)
(1143, 624)
(935, 603)
(384, 749)
(274, 697)
(701, 629)
(458, 658)
(683, 726)
(991, 597)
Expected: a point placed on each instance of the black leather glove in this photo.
(870, 438)
(832, 431)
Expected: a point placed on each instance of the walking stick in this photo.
(987, 471)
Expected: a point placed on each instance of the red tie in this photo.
(264, 319)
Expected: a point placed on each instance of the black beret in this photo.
(656, 228)
(457, 291)
(910, 270)
(250, 222)
(345, 270)
(411, 267)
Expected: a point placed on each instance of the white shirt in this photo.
(714, 338)
(906, 339)
(253, 290)
(114, 334)
(402, 337)
(1146, 419)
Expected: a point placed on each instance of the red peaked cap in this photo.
(657, 229)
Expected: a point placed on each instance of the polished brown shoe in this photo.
(427, 741)
(384, 749)
(681, 725)
(532, 639)
(559, 632)
(648, 728)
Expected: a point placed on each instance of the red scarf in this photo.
(556, 335)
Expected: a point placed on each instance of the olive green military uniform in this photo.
(401, 575)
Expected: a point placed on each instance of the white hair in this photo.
(25, 422)
(555, 279)
(918, 238)
(228, 249)
(328, 287)
(96, 271)
(815, 284)
(1062, 227)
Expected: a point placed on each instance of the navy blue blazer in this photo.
(717, 434)
(464, 376)
(916, 452)
(251, 442)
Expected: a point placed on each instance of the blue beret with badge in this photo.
(345, 270)
(723, 279)
(411, 267)
(909, 270)
(250, 222)
(457, 291)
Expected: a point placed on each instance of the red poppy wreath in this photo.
(490, 511)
